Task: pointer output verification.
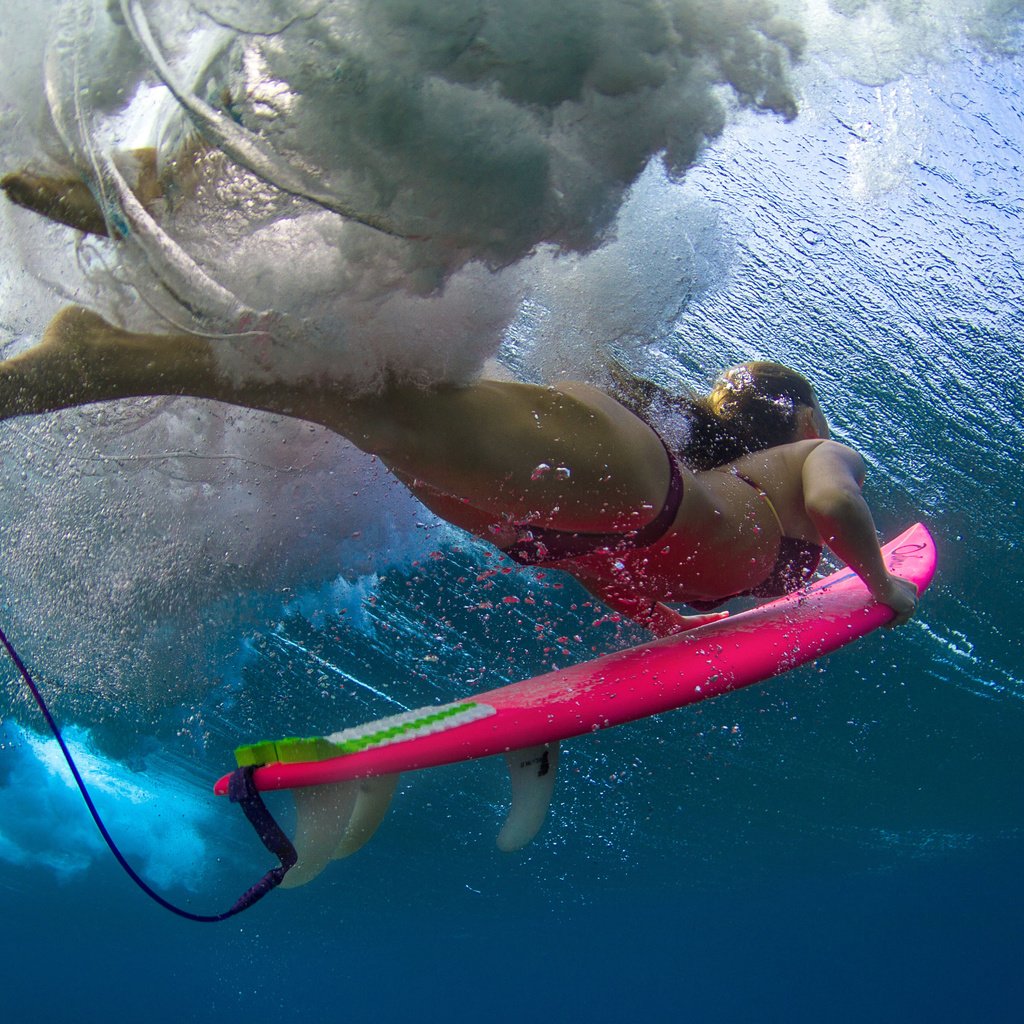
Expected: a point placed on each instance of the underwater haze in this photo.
(428, 192)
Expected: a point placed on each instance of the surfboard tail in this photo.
(335, 820)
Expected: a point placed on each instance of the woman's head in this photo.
(751, 407)
(764, 400)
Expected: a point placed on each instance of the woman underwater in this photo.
(566, 477)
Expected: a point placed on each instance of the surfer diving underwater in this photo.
(569, 476)
(565, 477)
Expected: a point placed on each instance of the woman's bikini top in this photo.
(795, 563)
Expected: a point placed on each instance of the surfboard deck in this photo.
(645, 680)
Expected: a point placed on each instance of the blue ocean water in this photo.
(842, 843)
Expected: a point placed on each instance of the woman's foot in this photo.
(82, 359)
(69, 200)
(65, 200)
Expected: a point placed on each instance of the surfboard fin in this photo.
(372, 803)
(532, 772)
(335, 820)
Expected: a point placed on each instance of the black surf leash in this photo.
(241, 790)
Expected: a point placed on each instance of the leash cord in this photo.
(241, 790)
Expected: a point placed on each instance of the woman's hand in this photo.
(832, 479)
(901, 596)
(662, 620)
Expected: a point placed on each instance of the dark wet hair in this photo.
(751, 407)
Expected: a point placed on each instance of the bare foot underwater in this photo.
(68, 198)
(81, 358)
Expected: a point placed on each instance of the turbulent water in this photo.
(421, 190)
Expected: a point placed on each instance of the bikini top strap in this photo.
(764, 496)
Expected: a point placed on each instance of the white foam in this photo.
(155, 819)
(878, 41)
(485, 130)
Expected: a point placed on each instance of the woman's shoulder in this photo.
(831, 460)
(778, 458)
(785, 466)
(817, 448)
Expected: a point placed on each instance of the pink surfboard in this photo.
(646, 680)
(342, 783)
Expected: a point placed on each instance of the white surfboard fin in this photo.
(532, 772)
(335, 820)
(322, 815)
(372, 801)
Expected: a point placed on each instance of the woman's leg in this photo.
(82, 359)
(67, 200)
(570, 458)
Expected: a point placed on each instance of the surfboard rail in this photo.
(342, 784)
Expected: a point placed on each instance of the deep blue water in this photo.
(927, 941)
(844, 843)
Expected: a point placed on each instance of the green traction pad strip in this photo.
(406, 726)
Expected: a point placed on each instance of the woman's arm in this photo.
(832, 479)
